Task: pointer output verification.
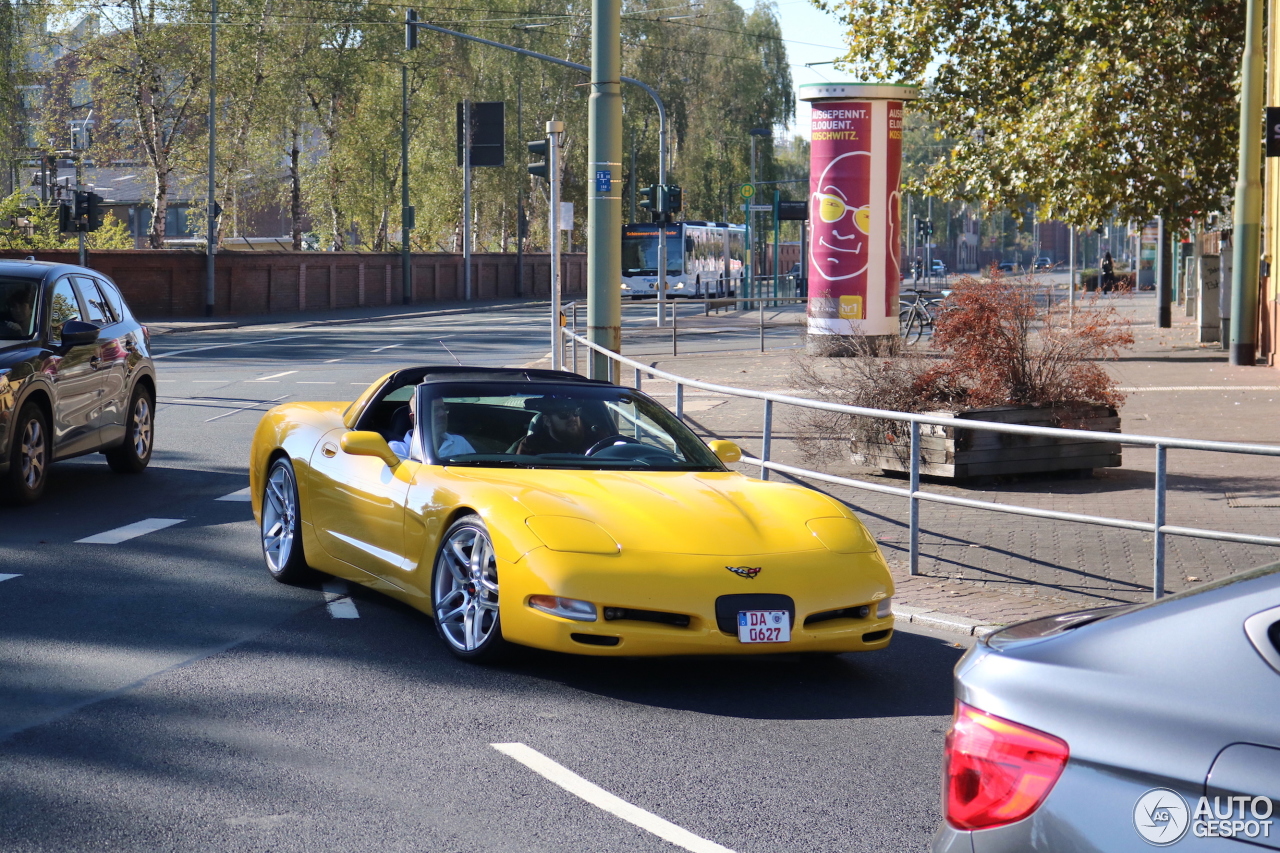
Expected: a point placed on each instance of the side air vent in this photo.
(843, 613)
(876, 636)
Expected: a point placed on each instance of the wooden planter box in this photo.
(959, 453)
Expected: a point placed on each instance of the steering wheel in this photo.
(610, 441)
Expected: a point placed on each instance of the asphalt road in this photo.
(162, 692)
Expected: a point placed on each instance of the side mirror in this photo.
(726, 451)
(76, 333)
(362, 443)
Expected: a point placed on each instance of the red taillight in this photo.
(996, 771)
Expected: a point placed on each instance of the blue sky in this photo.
(811, 36)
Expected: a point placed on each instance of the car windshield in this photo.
(17, 307)
(537, 425)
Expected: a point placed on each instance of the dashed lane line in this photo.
(387, 347)
(338, 600)
(130, 531)
(9, 577)
(599, 797)
(273, 376)
(241, 495)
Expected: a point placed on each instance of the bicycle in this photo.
(918, 315)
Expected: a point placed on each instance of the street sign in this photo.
(748, 191)
(788, 210)
(604, 181)
(755, 208)
(1273, 131)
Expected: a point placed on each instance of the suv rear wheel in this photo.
(134, 454)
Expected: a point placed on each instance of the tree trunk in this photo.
(295, 193)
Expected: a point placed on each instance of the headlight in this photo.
(884, 607)
(842, 535)
(569, 608)
(574, 535)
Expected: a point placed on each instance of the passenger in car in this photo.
(19, 309)
(447, 443)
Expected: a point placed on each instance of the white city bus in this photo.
(703, 259)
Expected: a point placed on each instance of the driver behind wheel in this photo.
(558, 428)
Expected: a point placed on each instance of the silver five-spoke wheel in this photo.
(281, 524)
(33, 451)
(464, 590)
(142, 427)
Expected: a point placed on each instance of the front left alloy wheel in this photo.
(282, 525)
(464, 592)
(29, 456)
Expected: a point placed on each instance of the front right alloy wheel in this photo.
(464, 592)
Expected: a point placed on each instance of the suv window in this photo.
(115, 299)
(63, 306)
(96, 308)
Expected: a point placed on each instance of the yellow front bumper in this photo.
(689, 585)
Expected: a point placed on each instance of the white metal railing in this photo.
(914, 494)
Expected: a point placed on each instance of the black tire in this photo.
(133, 456)
(281, 529)
(30, 454)
(459, 591)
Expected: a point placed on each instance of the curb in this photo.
(944, 621)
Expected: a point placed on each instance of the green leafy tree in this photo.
(1084, 107)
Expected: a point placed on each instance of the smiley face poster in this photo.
(855, 165)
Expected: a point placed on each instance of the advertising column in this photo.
(855, 245)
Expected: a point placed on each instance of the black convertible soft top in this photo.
(464, 373)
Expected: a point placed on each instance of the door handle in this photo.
(329, 450)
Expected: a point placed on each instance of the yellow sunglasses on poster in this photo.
(832, 208)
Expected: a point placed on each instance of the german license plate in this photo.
(764, 626)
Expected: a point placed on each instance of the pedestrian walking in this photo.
(1108, 274)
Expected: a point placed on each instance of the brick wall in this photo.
(167, 284)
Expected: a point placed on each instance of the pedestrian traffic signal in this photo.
(93, 212)
(538, 148)
(649, 200)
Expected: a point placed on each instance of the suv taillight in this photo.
(996, 771)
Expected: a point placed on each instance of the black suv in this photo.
(76, 375)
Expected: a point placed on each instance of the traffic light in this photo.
(410, 31)
(674, 200)
(649, 200)
(538, 148)
(93, 212)
(66, 217)
(80, 211)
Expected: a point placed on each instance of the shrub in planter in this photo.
(997, 350)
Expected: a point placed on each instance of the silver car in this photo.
(1123, 728)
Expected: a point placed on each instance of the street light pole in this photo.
(406, 210)
(1246, 240)
(211, 242)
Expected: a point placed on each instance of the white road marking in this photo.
(388, 346)
(338, 600)
(130, 531)
(9, 577)
(333, 360)
(208, 381)
(242, 409)
(273, 376)
(242, 495)
(597, 796)
(300, 382)
(221, 346)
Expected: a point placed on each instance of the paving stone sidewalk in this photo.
(982, 568)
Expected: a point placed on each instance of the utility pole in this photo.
(554, 131)
(1246, 240)
(604, 204)
(406, 210)
(466, 199)
(521, 225)
(211, 229)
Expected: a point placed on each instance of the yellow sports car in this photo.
(549, 510)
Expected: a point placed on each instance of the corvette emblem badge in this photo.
(744, 571)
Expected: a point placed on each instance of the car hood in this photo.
(710, 513)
